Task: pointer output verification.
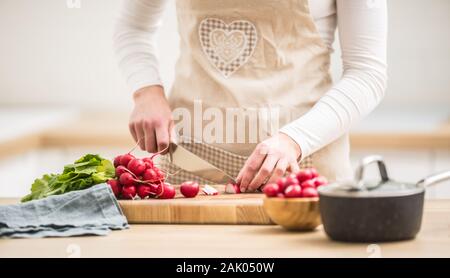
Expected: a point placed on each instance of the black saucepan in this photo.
(387, 210)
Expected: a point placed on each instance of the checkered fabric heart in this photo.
(227, 46)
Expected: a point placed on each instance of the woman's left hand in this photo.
(269, 161)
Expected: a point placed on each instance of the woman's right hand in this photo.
(151, 120)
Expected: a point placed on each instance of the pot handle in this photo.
(366, 161)
(434, 178)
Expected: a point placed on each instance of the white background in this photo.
(51, 54)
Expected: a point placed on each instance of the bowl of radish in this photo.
(293, 202)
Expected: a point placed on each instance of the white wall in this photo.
(52, 54)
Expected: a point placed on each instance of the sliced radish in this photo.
(232, 188)
(209, 190)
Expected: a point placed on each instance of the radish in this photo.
(209, 190)
(148, 162)
(319, 181)
(120, 170)
(280, 195)
(144, 191)
(309, 192)
(308, 183)
(232, 188)
(125, 159)
(271, 189)
(189, 189)
(115, 186)
(283, 183)
(151, 175)
(126, 179)
(168, 191)
(128, 192)
(314, 172)
(159, 173)
(136, 166)
(292, 179)
(117, 160)
(304, 175)
(293, 191)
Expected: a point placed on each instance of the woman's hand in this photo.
(151, 120)
(269, 161)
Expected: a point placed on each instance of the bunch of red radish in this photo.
(141, 178)
(303, 184)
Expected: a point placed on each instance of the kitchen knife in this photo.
(196, 165)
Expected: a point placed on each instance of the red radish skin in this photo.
(304, 175)
(136, 166)
(115, 186)
(151, 175)
(125, 159)
(120, 170)
(159, 173)
(271, 190)
(319, 181)
(128, 192)
(284, 182)
(314, 172)
(292, 179)
(309, 192)
(126, 179)
(232, 189)
(144, 191)
(308, 183)
(293, 191)
(117, 160)
(189, 189)
(280, 195)
(148, 162)
(168, 192)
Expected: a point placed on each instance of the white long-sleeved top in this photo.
(362, 26)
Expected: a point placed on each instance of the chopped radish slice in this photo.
(232, 189)
(209, 190)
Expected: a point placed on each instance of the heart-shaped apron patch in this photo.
(227, 46)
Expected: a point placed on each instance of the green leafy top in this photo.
(85, 172)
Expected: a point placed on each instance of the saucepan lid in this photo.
(385, 187)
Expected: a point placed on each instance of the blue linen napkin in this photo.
(93, 211)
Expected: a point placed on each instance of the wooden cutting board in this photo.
(220, 209)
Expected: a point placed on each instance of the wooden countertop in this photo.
(112, 130)
(235, 241)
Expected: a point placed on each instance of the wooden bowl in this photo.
(300, 214)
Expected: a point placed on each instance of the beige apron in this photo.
(248, 57)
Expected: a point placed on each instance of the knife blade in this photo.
(196, 165)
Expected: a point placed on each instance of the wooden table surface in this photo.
(235, 241)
